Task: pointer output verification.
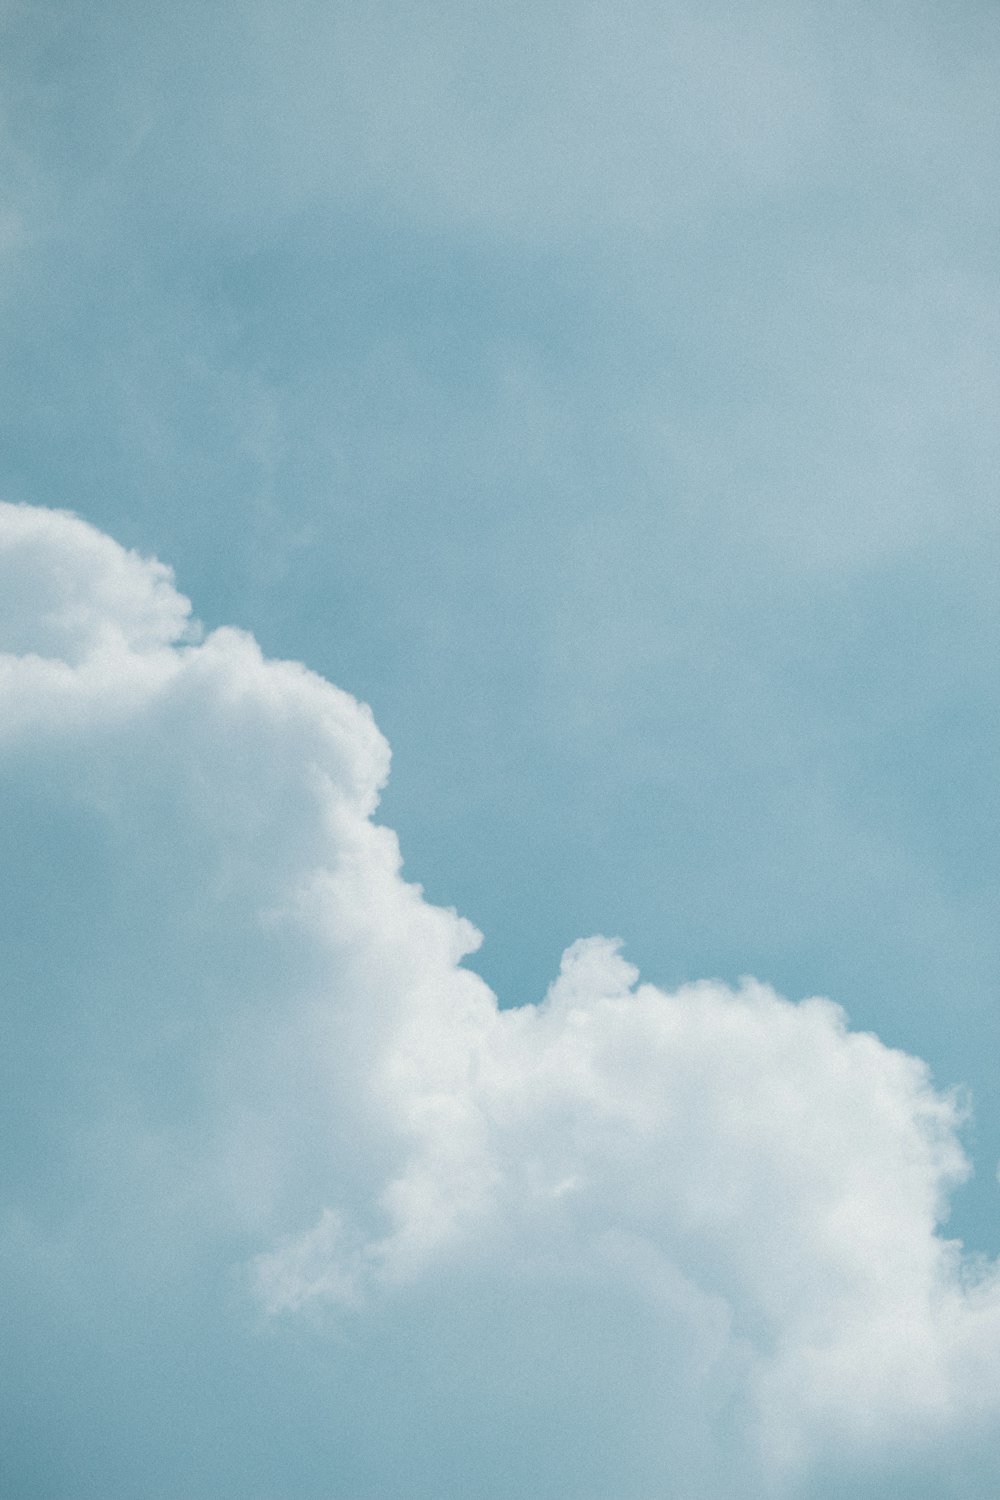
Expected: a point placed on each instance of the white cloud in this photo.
(244, 1041)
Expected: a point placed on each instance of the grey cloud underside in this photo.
(280, 1176)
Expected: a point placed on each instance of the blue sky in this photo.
(606, 395)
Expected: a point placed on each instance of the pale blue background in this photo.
(608, 395)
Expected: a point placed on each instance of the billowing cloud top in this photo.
(274, 1155)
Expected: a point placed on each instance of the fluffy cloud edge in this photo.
(768, 1184)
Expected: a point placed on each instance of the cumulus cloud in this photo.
(653, 1239)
